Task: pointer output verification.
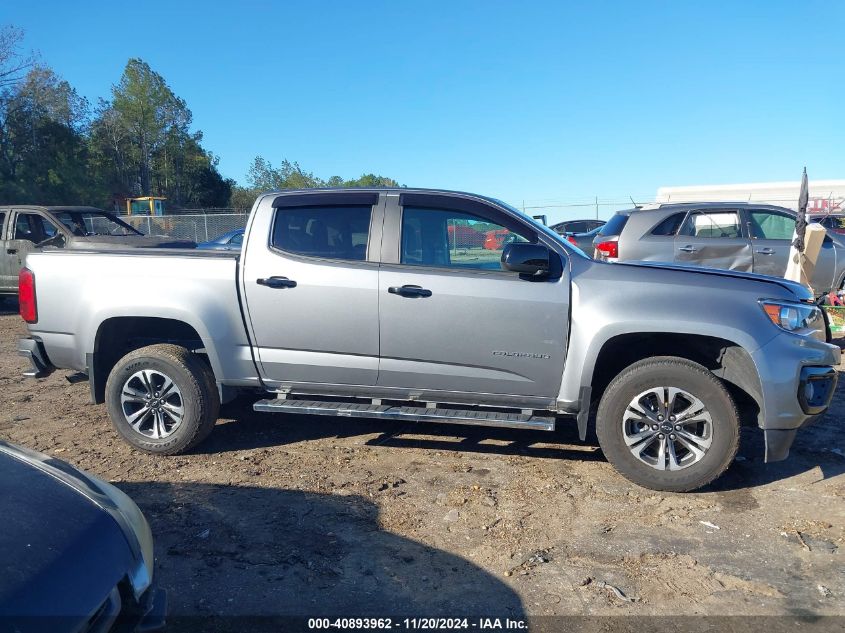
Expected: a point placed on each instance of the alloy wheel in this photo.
(152, 404)
(667, 428)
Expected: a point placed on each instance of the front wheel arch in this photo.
(727, 360)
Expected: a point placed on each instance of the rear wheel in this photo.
(162, 399)
(668, 423)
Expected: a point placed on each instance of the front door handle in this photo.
(688, 248)
(276, 282)
(765, 251)
(11, 251)
(409, 291)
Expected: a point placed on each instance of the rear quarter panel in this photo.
(637, 244)
(78, 291)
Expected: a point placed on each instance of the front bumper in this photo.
(798, 378)
(815, 389)
(33, 350)
(118, 613)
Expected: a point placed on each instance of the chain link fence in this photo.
(199, 227)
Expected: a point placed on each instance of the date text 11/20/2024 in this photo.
(420, 624)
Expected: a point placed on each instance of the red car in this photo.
(462, 236)
(495, 240)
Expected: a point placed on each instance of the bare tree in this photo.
(14, 63)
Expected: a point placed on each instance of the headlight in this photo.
(141, 577)
(794, 317)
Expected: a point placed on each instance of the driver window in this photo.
(717, 223)
(453, 239)
(33, 228)
(23, 228)
(771, 226)
(48, 229)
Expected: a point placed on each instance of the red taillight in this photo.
(571, 240)
(26, 296)
(609, 249)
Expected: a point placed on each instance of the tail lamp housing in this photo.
(26, 296)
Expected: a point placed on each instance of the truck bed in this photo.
(79, 290)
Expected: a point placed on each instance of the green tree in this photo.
(262, 176)
(149, 114)
(43, 151)
(141, 144)
(289, 175)
(370, 180)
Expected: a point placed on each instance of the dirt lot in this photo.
(284, 515)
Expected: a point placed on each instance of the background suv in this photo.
(576, 226)
(732, 235)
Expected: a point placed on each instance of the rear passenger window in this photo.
(2, 218)
(712, 224)
(331, 232)
(670, 225)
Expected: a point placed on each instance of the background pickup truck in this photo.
(24, 229)
(358, 303)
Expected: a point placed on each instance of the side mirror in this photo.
(526, 259)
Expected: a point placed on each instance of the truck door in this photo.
(771, 237)
(714, 237)
(310, 279)
(27, 229)
(451, 318)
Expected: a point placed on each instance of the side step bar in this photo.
(409, 414)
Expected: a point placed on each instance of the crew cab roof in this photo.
(388, 190)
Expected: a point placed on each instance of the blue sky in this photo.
(543, 102)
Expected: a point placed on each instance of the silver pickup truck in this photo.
(434, 306)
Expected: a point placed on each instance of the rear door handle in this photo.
(765, 251)
(409, 291)
(276, 282)
(687, 248)
(11, 251)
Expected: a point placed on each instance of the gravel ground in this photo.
(308, 516)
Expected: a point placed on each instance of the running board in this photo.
(409, 414)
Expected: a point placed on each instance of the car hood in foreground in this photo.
(61, 554)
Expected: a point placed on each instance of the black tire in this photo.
(198, 397)
(691, 377)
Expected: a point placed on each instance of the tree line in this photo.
(57, 148)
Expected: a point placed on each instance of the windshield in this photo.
(88, 223)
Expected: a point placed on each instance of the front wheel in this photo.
(162, 399)
(667, 423)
